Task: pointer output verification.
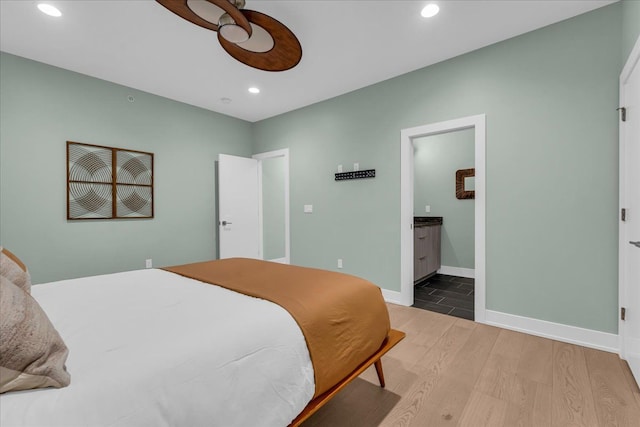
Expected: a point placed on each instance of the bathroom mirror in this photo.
(465, 183)
(470, 183)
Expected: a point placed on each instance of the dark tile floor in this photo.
(450, 295)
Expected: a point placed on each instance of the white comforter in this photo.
(152, 348)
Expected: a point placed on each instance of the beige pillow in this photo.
(32, 353)
(14, 270)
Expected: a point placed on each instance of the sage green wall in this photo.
(42, 107)
(630, 25)
(273, 234)
(436, 160)
(552, 168)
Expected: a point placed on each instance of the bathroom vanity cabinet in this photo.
(426, 246)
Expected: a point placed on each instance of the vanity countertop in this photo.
(426, 221)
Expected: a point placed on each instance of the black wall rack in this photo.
(343, 176)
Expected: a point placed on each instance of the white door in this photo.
(630, 200)
(238, 212)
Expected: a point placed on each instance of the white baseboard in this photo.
(279, 260)
(571, 334)
(393, 297)
(458, 271)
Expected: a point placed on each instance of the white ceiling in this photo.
(346, 45)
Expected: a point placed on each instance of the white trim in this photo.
(287, 220)
(457, 271)
(260, 210)
(556, 331)
(406, 204)
(632, 62)
(393, 297)
(279, 260)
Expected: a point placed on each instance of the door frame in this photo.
(478, 123)
(623, 285)
(260, 157)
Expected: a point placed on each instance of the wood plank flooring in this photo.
(454, 372)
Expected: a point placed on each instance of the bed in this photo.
(153, 347)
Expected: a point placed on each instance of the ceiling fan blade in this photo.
(260, 40)
(285, 54)
(206, 10)
(182, 9)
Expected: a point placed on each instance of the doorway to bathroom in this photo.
(443, 203)
(476, 125)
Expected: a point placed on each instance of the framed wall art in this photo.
(108, 183)
(462, 187)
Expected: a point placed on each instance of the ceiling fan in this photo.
(251, 37)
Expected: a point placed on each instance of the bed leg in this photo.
(378, 365)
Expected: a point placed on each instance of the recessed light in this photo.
(430, 10)
(254, 90)
(49, 10)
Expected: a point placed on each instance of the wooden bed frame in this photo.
(392, 339)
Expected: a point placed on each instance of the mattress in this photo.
(152, 348)
(344, 318)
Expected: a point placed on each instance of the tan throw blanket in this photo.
(343, 318)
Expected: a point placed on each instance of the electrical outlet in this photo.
(148, 263)
(356, 166)
(339, 262)
(427, 208)
(308, 209)
(339, 168)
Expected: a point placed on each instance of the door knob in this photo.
(225, 223)
(636, 244)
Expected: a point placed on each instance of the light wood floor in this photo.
(450, 371)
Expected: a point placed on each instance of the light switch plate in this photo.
(308, 208)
